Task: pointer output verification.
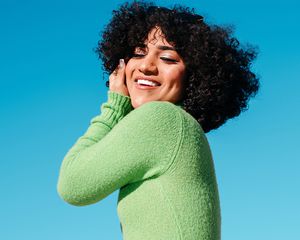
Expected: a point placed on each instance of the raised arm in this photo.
(115, 152)
(113, 110)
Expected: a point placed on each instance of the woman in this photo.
(177, 79)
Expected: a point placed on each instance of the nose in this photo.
(148, 65)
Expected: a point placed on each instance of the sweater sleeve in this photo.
(112, 111)
(119, 149)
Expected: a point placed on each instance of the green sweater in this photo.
(159, 158)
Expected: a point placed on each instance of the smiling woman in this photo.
(172, 79)
(155, 72)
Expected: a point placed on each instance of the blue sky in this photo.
(51, 86)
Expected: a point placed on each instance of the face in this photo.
(156, 72)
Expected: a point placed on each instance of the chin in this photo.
(140, 103)
(136, 105)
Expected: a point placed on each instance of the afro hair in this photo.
(219, 81)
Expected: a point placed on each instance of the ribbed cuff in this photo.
(115, 108)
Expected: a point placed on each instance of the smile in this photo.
(146, 83)
(144, 87)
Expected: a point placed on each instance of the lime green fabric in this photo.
(159, 158)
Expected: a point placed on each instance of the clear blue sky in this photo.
(51, 86)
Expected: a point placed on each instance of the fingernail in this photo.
(121, 63)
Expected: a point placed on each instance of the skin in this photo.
(153, 61)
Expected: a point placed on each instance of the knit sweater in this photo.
(159, 158)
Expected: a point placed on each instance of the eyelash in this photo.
(165, 59)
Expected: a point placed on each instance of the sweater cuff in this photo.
(115, 108)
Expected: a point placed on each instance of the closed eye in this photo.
(168, 59)
(162, 58)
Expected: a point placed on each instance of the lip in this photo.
(147, 78)
(141, 87)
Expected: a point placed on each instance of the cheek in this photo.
(129, 70)
(174, 76)
(127, 75)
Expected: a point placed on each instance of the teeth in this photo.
(147, 82)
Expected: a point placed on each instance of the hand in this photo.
(117, 80)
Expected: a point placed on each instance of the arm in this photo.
(112, 111)
(113, 153)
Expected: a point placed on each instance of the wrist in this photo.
(115, 108)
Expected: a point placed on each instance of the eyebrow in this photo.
(162, 47)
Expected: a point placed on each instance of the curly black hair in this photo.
(219, 81)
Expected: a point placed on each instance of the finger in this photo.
(120, 71)
(119, 67)
(118, 75)
(121, 64)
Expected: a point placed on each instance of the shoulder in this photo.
(154, 130)
(164, 113)
(158, 112)
(167, 109)
(159, 106)
(157, 118)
